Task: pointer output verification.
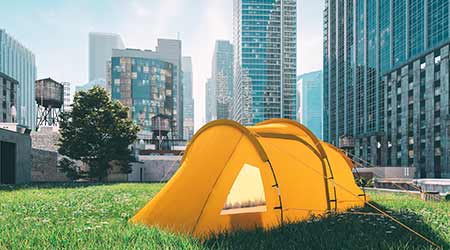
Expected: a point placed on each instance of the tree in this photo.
(98, 133)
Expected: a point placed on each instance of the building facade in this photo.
(265, 47)
(100, 51)
(188, 100)
(222, 77)
(8, 99)
(167, 50)
(144, 84)
(18, 62)
(417, 114)
(68, 96)
(363, 41)
(310, 101)
(210, 101)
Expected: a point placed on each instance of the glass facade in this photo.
(188, 107)
(145, 86)
(222, 77)
(309, 101)
(437, 22)
(265, 61)
(18, 62)
(379, 36)
(399, 31)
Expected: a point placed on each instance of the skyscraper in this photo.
(170, 50)
(18, 62)
(210, 101)
(188, 100)
(222, 77)
(265, 43)
(100, 51)
(363, 41)
(310, 101)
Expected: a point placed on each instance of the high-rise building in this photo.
(364, 41)
(142, 83)
(222, 76)
(210, 101)
(416, 114)
(265, 59)
(188, 100)
(170, 50)
(18, 62)
(310, 101)
(100, 51)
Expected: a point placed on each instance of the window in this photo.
(247, 193)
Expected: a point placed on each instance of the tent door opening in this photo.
(247, 193)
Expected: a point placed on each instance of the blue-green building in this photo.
(18, 62)
(144, 84)
(363, 41)
(265, 47)
(310, 101)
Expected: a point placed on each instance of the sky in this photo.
(56, 31)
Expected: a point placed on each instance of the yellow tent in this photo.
(235, 177)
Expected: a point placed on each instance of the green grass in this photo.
(81, 216)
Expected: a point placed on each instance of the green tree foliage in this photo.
(98, 133)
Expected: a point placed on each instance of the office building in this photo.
(363, 42)
(18, 62)
(210, 101)
(100, 51)
(68, 96)
(222, 77)
(310, 101)
(416, 114)
(167, 50)
(144, 84)
(188, 100)
(265, 60)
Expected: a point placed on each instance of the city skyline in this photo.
(69, 33)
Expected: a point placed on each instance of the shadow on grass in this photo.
(339, 231)
(53, 185)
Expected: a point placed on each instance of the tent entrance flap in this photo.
(247, 193)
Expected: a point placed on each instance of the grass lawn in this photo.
(81, 216)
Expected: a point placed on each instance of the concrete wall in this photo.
(45, 167)
(390, 172)
(23, 153)
(45, 156)
(156, 168)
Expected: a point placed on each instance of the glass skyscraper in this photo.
(310, 101)
(364, 40)
(222, 77)
(265, 59)
(143, 84)
(188, 100)
(210, 101)
(18, 62)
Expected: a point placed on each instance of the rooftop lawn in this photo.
(84, 216)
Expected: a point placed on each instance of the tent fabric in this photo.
(300, 175)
